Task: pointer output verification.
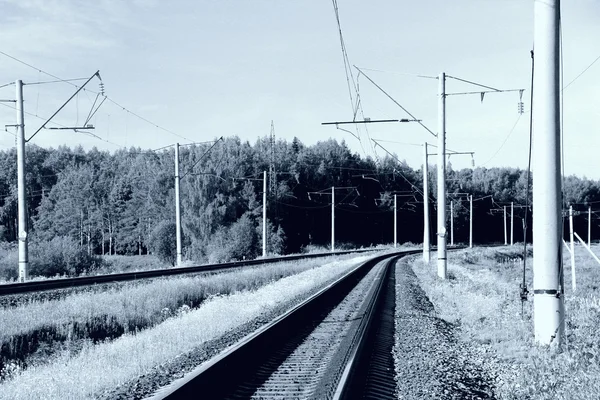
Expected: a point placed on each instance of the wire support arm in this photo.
(398, 104)
(97, 73)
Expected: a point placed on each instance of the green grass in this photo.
(482, 299)
(34, 330)
(103, 366)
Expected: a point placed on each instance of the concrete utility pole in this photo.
(264, 244)
(589, 226)
(395, 222)
(426, 243)
(333, 218)
(451, 223)
(505, 232)
(21, 190)
(512, 213)
(441, 178)
(548, 301)
(471, 221)
(572, 245)
(177, 207)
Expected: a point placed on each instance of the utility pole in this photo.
(512, 212)
(505, 233)
(395, 222)
(451, 223)
(177, 207)
(332, 218)
(323, 192)
(470, 221)
(426, 243)
(548, 282)
(21, 190)
(589, 226)
(572, 243)
(441, 178)
(264, 231)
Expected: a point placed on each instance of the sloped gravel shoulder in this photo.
(430, 361)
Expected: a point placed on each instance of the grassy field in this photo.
(104, 365)
(481, 297)
(33, 331)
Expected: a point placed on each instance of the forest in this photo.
(122, 202)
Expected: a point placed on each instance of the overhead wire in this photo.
(473, 83)
(523, 287)
(400, 73)
(355, 84)
(396, 102)
(401, 174)
(581, 73)
(54, 81)
(504, 141)
(68, 81)
(64, 126)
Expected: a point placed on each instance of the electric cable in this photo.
(474, 83)
(64, 126)
(504, 141)
(524, 292)
(69, 81)
(581, 73)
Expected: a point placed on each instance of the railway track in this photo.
(65, 283)
(335, 345)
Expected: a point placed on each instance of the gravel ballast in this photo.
(430, 361)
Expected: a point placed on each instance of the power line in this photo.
(504, 142)
(55, 81)
(398, 104)
(68, 81)
(64, 126)
(355, 85)
(401, 174)
(29, 65)
(474, 83)
(581, 73)
(400, 73)
(146, 120)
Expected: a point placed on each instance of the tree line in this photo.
(122, 202)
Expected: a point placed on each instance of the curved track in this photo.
(316, 350)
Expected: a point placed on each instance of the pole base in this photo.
(548, 318)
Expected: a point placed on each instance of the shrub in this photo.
(237, 242)
(8, 261)
(163, 241)
(275, 238)
(60, 256)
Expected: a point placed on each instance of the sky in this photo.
(198, 70)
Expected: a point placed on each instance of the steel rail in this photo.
(66, 283)
(362, 379)
(219, 377)
(353, 381)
